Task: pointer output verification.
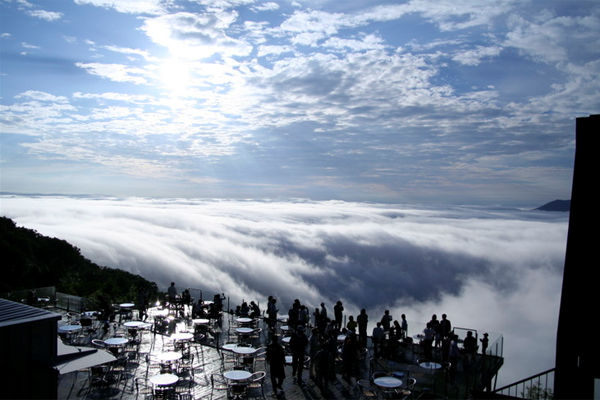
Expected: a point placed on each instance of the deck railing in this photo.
(538, 387)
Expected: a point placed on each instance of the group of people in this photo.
(316, 344)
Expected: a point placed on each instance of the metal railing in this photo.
(537, 387)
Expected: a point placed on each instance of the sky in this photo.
(492, 269)
(418, 101)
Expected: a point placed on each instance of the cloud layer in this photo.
(498, 270)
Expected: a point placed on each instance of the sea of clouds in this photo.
(496, 270)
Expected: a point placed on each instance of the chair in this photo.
(366, 390)
(256, 384)
(217, 383)
(143, 387)
(186, 367)
(408, 388)
(98, 343)
(97, 379)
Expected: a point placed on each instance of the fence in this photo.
(537, 387)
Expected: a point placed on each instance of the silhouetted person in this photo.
(298, 344)
(338, 312)
(276, 360)
(362, 320)
(172, 293)
(377, 338)
(386, 320)
(484, 343)
(445, 326)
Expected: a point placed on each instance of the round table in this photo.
(430, 365)
(244, 350)
(116, 341)
(244, 320)
(169, 356)
(237, 375)
(387, 382)
(182, 336)
(135, 324)
(164, 379)
(229, 346)
(244, 331)
(127, 305)
(69, 328)
(286, 339)
(201, 321)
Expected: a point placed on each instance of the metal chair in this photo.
(217, 383)
(256, 384)
(367, 390)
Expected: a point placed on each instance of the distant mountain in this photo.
(556, 205)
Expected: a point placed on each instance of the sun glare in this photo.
(175, 75)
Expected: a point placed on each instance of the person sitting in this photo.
(255, 310)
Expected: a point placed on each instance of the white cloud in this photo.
(117, 72)
(153, 7)
(46, 15)
(196, 36)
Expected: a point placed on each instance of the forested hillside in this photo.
(31, 260)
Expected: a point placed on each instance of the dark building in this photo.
(577, 353)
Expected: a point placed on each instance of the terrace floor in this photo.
(210, 360)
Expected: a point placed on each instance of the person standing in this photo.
(445, 326)
(377, 337)
(386, 320)
(276, 359)
(338, 311)
(429, 335)
(362, 320)
(172, 293)
(141, 303)
(404, 325)
(350, 355)
(298, 344)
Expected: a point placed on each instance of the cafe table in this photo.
(163, 384)
(388, 382)
(116, 341)
(69, 331)
(69, 328)
(236, 381)
(430, 365)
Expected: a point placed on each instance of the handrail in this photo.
(545, 392)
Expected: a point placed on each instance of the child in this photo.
(484, 343)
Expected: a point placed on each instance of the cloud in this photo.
(496, 270)
(196, 36)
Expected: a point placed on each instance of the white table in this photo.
(244, 331)
(244, 320)
(201, 321)
(388, 382)
(116, 341)
(134, 324)
(237, 375)
(127, 305)
(169, 356)
(430, 365)
(244, 350)
(69, 328)
(182, 336)
(164, 379)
